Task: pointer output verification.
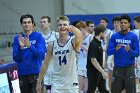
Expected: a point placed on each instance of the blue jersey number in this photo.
(62, 60)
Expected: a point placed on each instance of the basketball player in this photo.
(137, 60)
(90, 27)
(110, 59)
(63, 51)
(82, 60)
(49, 36)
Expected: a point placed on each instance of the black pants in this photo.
(28, 83)
(124, 78)
(96, 81)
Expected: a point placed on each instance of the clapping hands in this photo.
(23, 41)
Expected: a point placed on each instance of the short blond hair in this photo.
(65, 18)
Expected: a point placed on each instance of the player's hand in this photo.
(118, 46)
(127, 47)
(26, 42)
(38, 87)
(21, 41)
(104, 74)
(70, 28)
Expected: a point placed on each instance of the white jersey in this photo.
(111, 56)
(64, 66)
(104, 42)
(137, 32)
(112, 32)
(49, 38)
(82, 61)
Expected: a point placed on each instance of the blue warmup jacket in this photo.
(122, 58)
(29, 60)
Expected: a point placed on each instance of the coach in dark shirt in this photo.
(95, 72)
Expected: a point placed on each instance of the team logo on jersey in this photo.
(61, 52)
(123, 41)
(32, 42)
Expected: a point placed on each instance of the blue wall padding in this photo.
(96, 18)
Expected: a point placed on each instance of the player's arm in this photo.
(44, 67)
(77, 39)
(98, 67)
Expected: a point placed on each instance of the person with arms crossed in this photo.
(95, 72)
(124, 46)
(28, 52)
(63, 51)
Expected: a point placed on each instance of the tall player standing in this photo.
(49, 36)
(82, 60)
(63, 51)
